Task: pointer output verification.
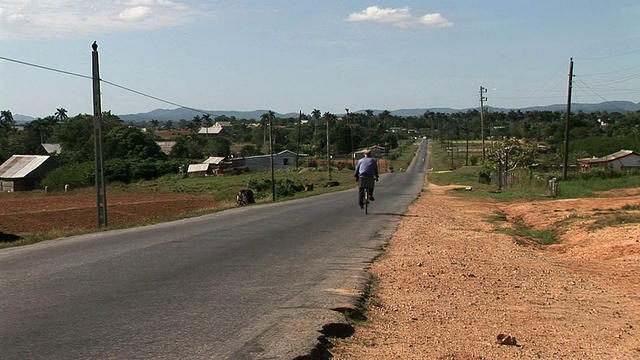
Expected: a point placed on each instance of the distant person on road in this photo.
(367, 169)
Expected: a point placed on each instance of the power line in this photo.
(598, 95)
(45, 68)
(106, 82)
(611, 56)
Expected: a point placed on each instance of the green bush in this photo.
(286, 187)
(76, 176)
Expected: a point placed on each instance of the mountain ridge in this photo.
(185, 113)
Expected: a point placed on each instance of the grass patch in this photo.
(528, 184)
(615, 220)
(542, 237)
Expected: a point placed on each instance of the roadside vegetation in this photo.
(523, 151)
(528, 185)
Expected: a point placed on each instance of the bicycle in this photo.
(367, 184)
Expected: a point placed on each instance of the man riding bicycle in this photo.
(366, 169)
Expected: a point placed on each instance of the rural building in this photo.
(199, 169)
(211, 165)
(50, 149)
(217, 128)
(283, 160)
(621, 160)
(24, 172)
(376, 152)
(166, 146)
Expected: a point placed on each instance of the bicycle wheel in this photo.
(366, 201)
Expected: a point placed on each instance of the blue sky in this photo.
(291, 55)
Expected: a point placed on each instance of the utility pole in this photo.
(353, 155)
(566, 128)
(273, 176)
(298, 140)
(482, 100)
(328, 148)
(101, 196)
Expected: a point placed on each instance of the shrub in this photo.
(76, 175)
(286, 187)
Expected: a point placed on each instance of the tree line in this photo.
(131, 151)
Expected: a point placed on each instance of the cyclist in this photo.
(367, 167)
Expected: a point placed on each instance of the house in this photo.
(211, 130)
(199, 169)
(166, 146)
(283, 160)
(217, 128)
(214, 160)
(211, 165)
(24, 172)
(620, 160)
(376, 152)
(50, 149)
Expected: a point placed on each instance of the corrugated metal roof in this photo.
(19, 166)
(216, 160)
(52, 148)
(198, 167)
(611, 157)
(210, 130)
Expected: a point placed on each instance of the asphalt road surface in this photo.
(257, 282)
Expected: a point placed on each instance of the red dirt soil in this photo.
(31, 214)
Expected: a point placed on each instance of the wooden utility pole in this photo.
(273, 175)
(565, 163)
(298, 140)
(328, 148)
(101, 196)
(482, 100)
(353, 157)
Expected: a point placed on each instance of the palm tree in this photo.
(264, 122)
(196, 122)
(369, 116)
(207, 122)
(316, 116)
(61, 114)
(6, 120)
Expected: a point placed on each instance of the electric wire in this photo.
(106, 82)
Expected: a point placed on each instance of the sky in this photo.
(301, 55)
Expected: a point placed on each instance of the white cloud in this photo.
(134, 13)
(434, 21)
(24, 19)
(400, 17)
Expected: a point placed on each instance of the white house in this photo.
(621, 160)
(217, 128)
(283, 160)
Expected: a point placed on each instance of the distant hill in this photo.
(188, 114)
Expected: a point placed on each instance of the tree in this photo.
(196, 123)
(207, 122)
(61, 114)
(264, 123)
(129, 142)
(41, 128)
(218, 146)
(76, 136)
(6, 122)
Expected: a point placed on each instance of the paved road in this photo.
(257, 282)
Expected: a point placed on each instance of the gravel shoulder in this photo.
(452, 284)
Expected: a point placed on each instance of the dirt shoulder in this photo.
(449, 283)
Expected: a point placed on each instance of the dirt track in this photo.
(450, 284)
